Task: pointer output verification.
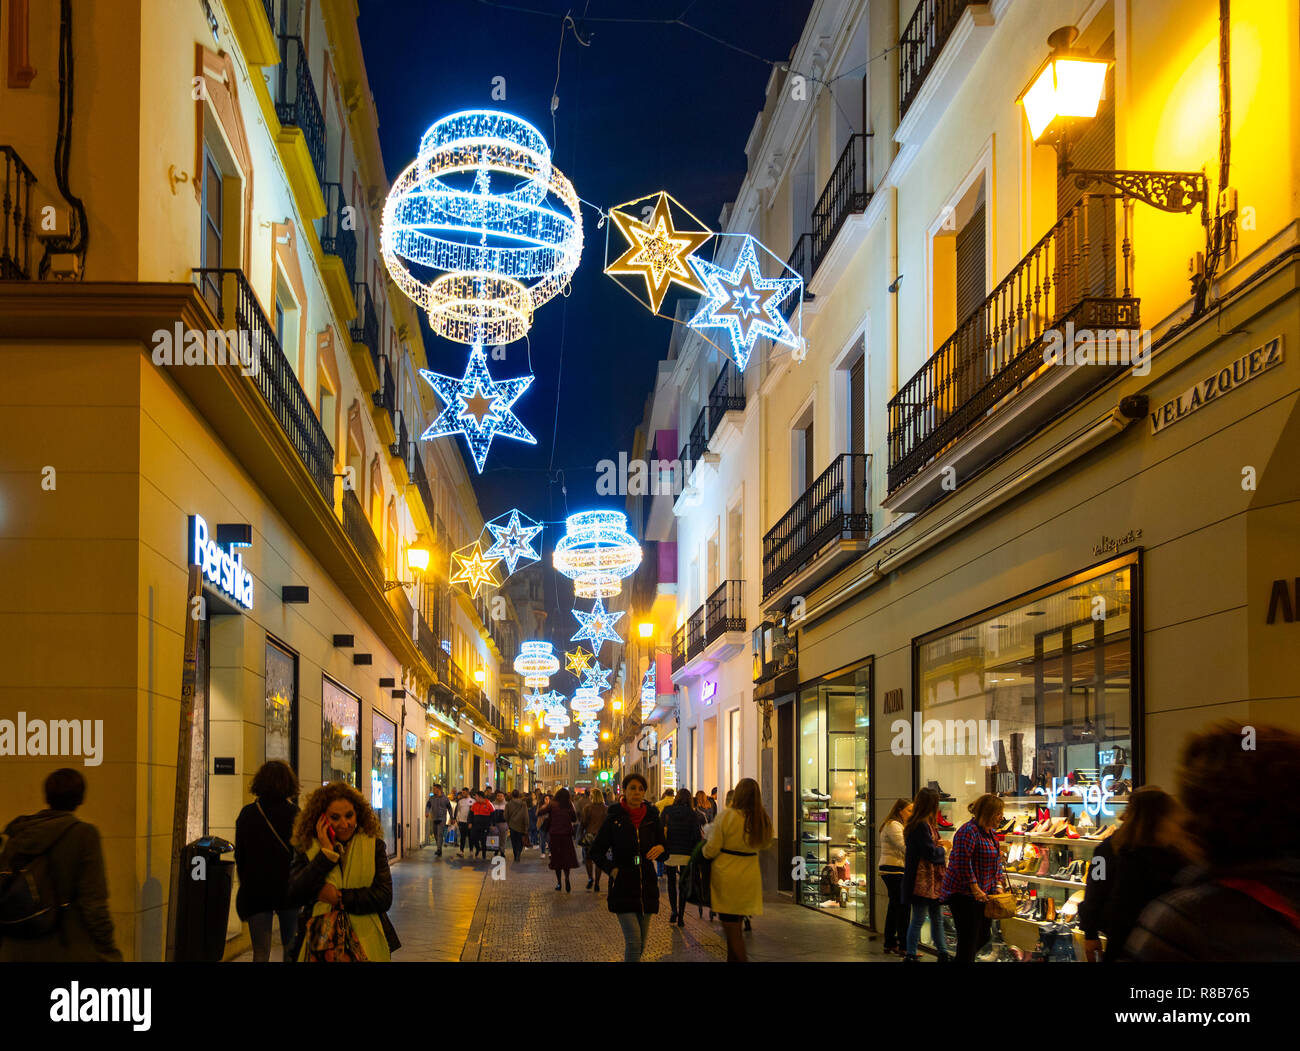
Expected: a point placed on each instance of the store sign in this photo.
(412, 742)
(1114, 543)
(376, 792)
(478, 738)
(223, 571)
(710, 691)
(893, 701)
(1225, 381)
(1095, 796)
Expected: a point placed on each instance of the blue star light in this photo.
(744, 302)
(478, 407)
(598, 678)
(597, 625)
(513, 540)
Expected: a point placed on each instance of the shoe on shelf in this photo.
(812, 795)
(820, 837)
(943, 822)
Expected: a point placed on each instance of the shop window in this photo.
(1035, 702)
(383, 778)
(281, 703)
(340, 732)
(834, 835)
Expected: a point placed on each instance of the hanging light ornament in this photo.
(536, 663)
(469, 233)
(513, 540)
(598, 625)
(469, 567)
(586, 700)
(596, 553)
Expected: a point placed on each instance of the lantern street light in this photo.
(417, 561)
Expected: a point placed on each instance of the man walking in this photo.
(438, 810)
(62, 859)
(517, 820)
(463, 805)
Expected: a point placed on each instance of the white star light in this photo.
(744, 302)
(598, 678)
(597, 625)
(478, 407)
(513, 540)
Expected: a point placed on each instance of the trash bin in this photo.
(203, 903)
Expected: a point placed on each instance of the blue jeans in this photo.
(543, 838)
(259, 930)
(636, 930)
(921, 909)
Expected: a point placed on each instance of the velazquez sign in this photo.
(1246, 368)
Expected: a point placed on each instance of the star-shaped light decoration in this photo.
(560, 745)
(658, 251)
(745, 303)
(597, 625)
(478, 407)
(597, 678)
(474, 569)
(577, 661)
(514, 540)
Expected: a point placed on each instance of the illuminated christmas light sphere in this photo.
(536, 663)
(586, 699)
(481, 229)
(556, 721)
(596, 553)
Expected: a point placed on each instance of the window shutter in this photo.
(857, 407)
(970, 265)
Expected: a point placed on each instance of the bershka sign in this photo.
(223, 571)
(1226, 380)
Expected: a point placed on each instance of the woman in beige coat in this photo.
(736, 888)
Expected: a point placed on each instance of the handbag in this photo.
(929, 878)
(493, 841)
(331, 938)
(698, 877)
(272, 828)
(1000, 906)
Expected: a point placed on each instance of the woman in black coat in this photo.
(263, 831)
(681, 833)
(633, 834)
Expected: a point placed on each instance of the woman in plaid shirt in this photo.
(974, 872)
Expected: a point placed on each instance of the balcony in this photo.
(726, 397)
(987, 388)
(385, 402)
(357, 527)
(302, 127)
(713, 633)
(828, 526)
(426, 640)
(921, 42)
(800, 262)
(724, 612)
(339, 242)
(231, 299)
(679, 648)
(400, 449)
(847, 193)
(15, 217)
(421, 481)
(365, 337)
(695, 634)
(697, 443)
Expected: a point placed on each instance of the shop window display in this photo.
(340, 727)
(835, 831)
(1035, 703)
(383, 777)
(281, 702)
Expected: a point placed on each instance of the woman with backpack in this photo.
(632, 834)
(923, 866)
(681, 833)
(560, 821)
(341, 879)
(592, 818)
(262, 858)
(735, 886)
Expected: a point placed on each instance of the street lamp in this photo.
(417, 561)
(646, 629)
(480, 676)
(1067, 89)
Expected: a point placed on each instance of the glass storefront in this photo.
(834, 834)
(1036, 703)
(383, 777)
(340, 728)
(281, 709)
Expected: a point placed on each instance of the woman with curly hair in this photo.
(340, 877)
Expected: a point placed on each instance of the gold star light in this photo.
(577, 661)
(658, 251)
(474, 571)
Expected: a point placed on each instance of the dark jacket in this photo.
(439, 808)
(307, 877)
(920, 844)
(636, 887)
(681, 828)
(261, 860)
(560, 819)
(517, 815)
(76, 867)
(1130, 881)
(1203, 920)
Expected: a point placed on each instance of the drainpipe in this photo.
(891, 235)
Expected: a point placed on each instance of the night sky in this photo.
(644, 107)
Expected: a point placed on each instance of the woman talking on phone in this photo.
(340, 877)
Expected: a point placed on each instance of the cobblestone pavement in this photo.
(448, 909)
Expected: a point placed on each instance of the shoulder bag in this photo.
(272, 828)
(1000, 906)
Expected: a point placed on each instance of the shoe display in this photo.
(943, 822)
(820, 837)
(812, 795)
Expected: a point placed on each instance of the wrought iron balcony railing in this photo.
(697, 443)
(426, 640)
(847, 192)
(800, 262)
(386, 396)
(727, 395)
(835, 507)
(399, 448)
(231, 298)
(365, 326)
(15, 217)
(357, 527)
(1068, 276)
(695, 634)
(724, 610)
(919, 45)
(337, 237)
(421, 480)
(679, 648)
(298, 105)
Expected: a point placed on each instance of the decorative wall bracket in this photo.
(1168, 191)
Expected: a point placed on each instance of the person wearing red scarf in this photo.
(626, 847)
